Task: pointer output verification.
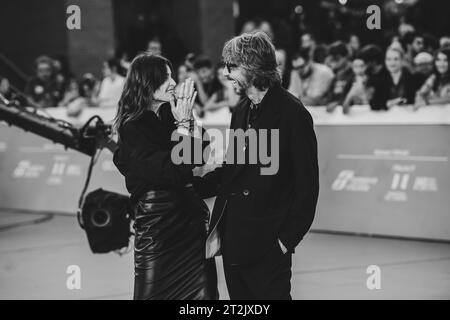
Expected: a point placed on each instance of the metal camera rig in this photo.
(104, 215)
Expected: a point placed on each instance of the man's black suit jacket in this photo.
(260, 209)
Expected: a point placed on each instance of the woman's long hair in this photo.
(442, 79)
(146, 74)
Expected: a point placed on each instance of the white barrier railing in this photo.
(359, 115)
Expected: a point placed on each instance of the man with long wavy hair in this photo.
(259, 219)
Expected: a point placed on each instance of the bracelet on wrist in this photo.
(183, 126)
(189, 124)
(186, 120)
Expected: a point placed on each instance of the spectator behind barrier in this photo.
(436, 90)
(59, 77)
(431, 43)
(85, 98)
(282, 67)
(189, 61)
(205, 79)
(71, 93)
(339, 63)
(258, 24)
(353, 44)
(356, 91)
(42, 89)
(444, 42)
(154, 46)
(423, 66)
(317, 51)
(373, 57)
(266, 27)
(394, 84)
(248, 27)
(182, 73)
(307, 40)
(111, 86)
(413, 43)
(5, 89)
(125, 63)
(310, 81)
(225, 97)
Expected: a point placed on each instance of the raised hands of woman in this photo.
(182, 106)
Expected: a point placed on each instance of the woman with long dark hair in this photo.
(436, 89)
(170, 219)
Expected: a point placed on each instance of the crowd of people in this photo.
(413, 69)
(50, 87)
(409, 71)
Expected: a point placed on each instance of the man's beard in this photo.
(241, 88)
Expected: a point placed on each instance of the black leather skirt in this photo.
(170, 264)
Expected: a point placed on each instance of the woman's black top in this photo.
(144, 154)
(170, 219)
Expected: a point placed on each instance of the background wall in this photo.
(108, 27)
(89, 47)
(38, 29)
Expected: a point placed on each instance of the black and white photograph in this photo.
(224, 150)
